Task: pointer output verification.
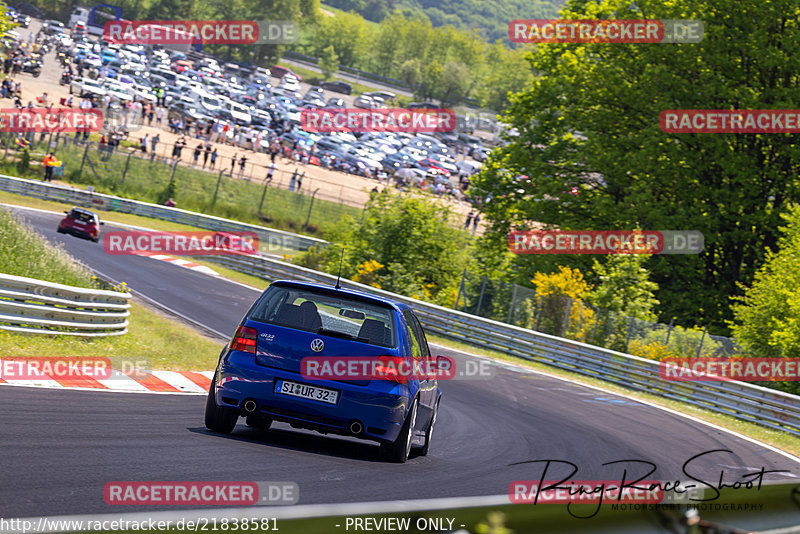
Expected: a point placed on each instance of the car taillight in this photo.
(244, 339)
(391, 368)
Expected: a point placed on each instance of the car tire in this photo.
(59, 230)
(219, 419)
(423, 451)
(399, 450)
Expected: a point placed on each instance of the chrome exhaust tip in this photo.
(355, 427)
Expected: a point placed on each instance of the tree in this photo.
(411, 73)
(453, 84)
(591, 121)
(561, 308)
(767, 316)
(345, 32)
(329, 62)
(625, 286)
(510, 72)
(402, 244)
(171, 10)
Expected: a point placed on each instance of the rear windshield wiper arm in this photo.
(334, 333)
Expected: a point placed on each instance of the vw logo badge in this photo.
(317, 345)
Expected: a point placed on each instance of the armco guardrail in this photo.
(35, 306)
(763, 406)
(46, 191)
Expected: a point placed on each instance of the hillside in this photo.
(489, 17)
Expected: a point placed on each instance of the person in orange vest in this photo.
(50, 162)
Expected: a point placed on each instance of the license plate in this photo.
(331, 396)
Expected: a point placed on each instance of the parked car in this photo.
(261, 374)
(50, 27)
(278, 71)
(364, 102)
(82, 86)
(21, 18)
(80, 223)
(338, 87)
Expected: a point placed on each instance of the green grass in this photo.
(166, 344)
(237, 199)
(24, 253)
(780, 440)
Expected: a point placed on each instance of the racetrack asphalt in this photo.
(59, 447)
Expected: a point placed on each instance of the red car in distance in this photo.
(80, 223)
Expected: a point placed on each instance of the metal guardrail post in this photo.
(460, 289)
(669, 331)
(630, 332)
(513, 303)
(174, 168)
(216, 190)
(480, 299)
(310, 205)
(83, 160)
(700, 346)
(125, 170)
(8, 144)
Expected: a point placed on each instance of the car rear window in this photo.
(82, 216)
(328, 314)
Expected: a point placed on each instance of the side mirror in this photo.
(66, 213)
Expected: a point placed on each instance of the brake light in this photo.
(244, 339)
(392, 368)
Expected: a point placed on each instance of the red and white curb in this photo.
(179, 262)
(191, 382)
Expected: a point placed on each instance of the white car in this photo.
(290, 83)
(143, 92)
(80, 86)
(114, 86)
(92, 60)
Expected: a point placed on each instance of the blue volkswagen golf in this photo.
(263, 373)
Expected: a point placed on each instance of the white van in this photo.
(239, 112)
(206, 101)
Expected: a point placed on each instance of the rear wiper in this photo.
(334, 333)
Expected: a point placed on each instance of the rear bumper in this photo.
(77, 232)
(380, 407)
